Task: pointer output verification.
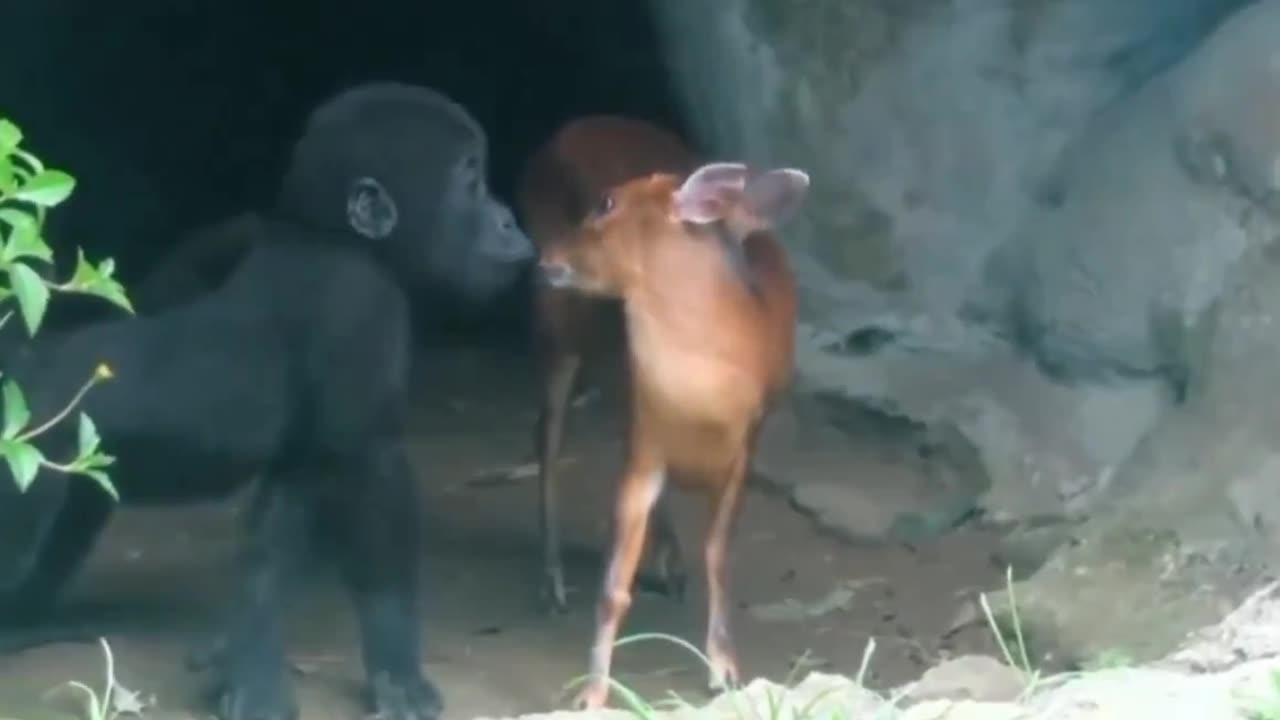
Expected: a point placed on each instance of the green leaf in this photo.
(14, 217)
(91, 280)
(24, 237)
(85, 273)
(29, 159)
(88, 435)
(10, 136)
(24, 461)
(104, 481)
(47, 188)
(113, 291)
(101, 459)
(8, 178)
(16, 412)
(29, 245)
(33, 294)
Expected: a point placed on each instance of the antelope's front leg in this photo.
(639, 490)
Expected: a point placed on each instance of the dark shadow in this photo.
(176, 114)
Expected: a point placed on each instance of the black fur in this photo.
(295, 369)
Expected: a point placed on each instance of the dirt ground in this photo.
(167, 574)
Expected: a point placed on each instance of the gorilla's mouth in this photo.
(488, 276)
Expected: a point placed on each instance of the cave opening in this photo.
(176, 115)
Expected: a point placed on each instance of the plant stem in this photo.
(93, 380)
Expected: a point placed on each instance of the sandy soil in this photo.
(166, 574)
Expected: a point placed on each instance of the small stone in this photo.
(968, 614)
(845, 509)
(969, 677)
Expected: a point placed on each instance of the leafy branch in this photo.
(28, 190)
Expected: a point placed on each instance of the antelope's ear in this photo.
(775, 195)
(706, 194)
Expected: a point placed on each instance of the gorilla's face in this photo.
(408, 168)
(478, 248)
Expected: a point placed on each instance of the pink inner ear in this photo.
(776, 194)
(705, 195)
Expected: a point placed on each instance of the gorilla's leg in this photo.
(250, 656)
(379, 516)
(28, 614)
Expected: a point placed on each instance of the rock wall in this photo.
(927, 125)
(1056, 221)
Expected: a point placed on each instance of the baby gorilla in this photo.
(295, 369)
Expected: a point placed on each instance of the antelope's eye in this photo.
(604, 205)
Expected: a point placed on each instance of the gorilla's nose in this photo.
(516, 245)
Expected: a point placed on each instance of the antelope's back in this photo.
(768, 262)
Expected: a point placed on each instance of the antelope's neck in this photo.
(689, 355)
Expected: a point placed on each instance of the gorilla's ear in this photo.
(371, 211)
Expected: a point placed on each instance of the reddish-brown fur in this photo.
(560, 186)
(707, 355)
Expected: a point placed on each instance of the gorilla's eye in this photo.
(470, 170)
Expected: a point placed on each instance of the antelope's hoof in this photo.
(555, 596)
(592, 697)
